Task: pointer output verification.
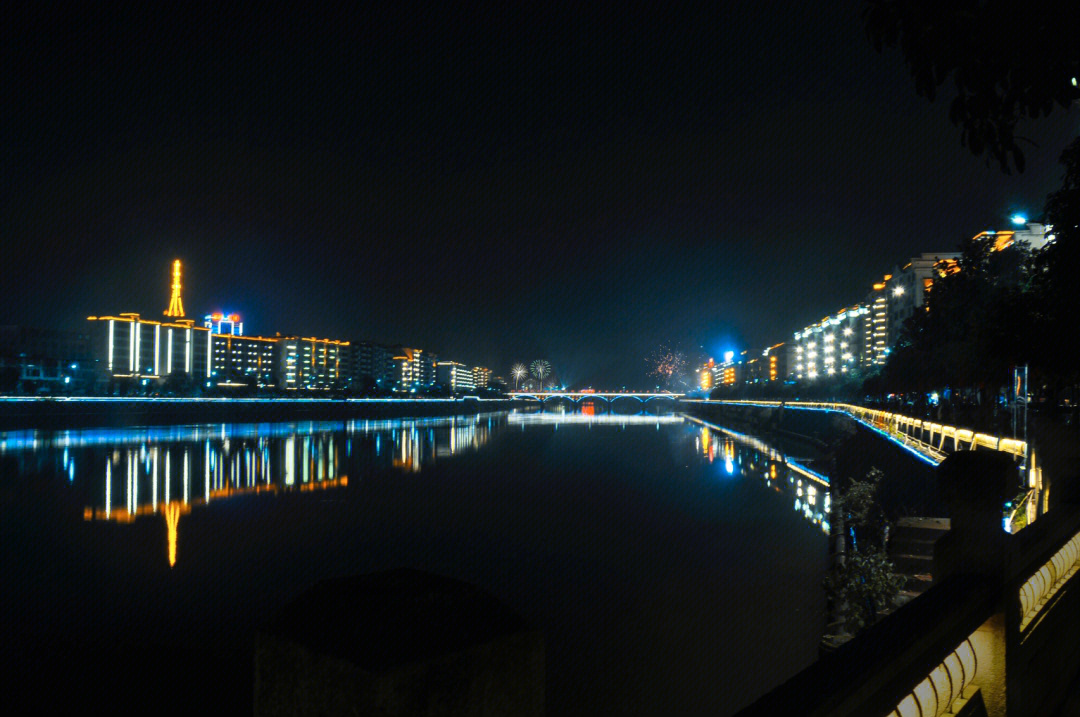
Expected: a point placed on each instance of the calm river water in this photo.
(673, 567)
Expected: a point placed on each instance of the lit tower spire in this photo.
(176, 306)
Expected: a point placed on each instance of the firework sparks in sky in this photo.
(666, 363)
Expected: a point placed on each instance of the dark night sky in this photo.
(490, 185)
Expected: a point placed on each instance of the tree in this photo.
(1008, 61)
(977, 324)
(1056, 271)
(864, 582)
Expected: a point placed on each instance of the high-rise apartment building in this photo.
(456, 377)
(311, 363)
(481, 376)
(906, 289)
(415, 370)
(373, 366)
(833, 347)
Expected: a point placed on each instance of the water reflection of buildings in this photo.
(168, 471)
(749, 456)
(417, 443)
(145, 480)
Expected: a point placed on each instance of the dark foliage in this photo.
(1007, 61)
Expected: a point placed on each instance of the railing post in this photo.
(974, 485)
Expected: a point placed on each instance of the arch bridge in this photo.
(579, 396)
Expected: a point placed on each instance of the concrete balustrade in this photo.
(998, 634)
(1041, 587)
(946, 689)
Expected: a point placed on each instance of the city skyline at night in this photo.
(499, 186)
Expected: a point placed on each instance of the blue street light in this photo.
(1019, 219)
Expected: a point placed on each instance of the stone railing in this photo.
(998, 634)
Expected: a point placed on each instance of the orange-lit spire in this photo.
(176, 306)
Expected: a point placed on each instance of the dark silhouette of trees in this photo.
(1001, 309)
(1007, 60)
(976, 324)
(1056, 275)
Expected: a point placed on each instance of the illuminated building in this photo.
(731, 371)
(706, 379)
(415, 370)
(372, 365)
(906, 290)
(131, 347)
(775, 362)
(1034, 236)
(832, 348)
(877, 334)
(455, 376)
(481, 376)
(219, 323)
(753, 371)
(311, 363)
(234, 357)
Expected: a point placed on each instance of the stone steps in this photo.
(911, 549)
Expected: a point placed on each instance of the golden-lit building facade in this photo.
(774, 362)
(415, 370)
(311, 363)
(1033, 236)
(705, 375)
(481, 376)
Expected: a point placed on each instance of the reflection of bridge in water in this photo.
(524, 419)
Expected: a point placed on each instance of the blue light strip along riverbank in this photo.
(765, 448)
(924, 457)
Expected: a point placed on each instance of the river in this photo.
(673, 567)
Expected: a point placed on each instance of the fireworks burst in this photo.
(518, 372)
(540, 368)
(666, 363)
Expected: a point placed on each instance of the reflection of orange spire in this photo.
(172, 518)
(176, 306)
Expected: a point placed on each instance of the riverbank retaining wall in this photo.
(849, 449)
(56, 414)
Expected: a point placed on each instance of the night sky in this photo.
(492, 185)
